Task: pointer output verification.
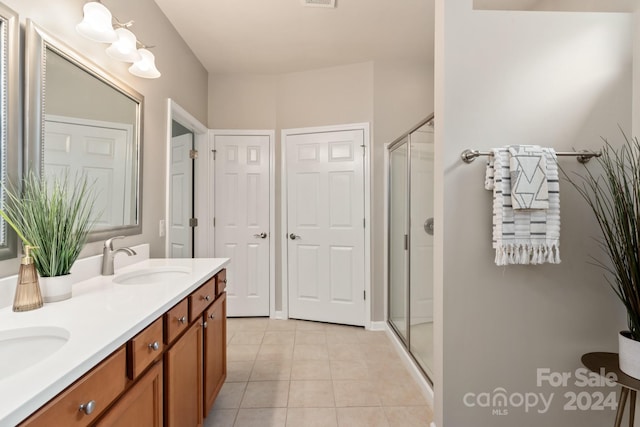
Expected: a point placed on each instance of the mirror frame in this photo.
(37, 41)
(10, 138)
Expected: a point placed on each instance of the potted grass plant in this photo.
(53, 215)
(614, 197)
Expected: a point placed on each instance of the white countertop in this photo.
(100, 317)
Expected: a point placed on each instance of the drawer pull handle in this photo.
(204, 324)
(182, 320)
(88, 408)
(212, 316)
(224, 281)
(155, 346)
(207, 298)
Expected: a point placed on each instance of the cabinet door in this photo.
(141, 406)
(215, 354)
(183, 380)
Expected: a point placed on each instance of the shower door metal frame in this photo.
(406, 341)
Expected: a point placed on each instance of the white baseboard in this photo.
(279, 315)
(378, 326)
(416, 373)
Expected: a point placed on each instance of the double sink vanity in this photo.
(146, 346)
(143, 347)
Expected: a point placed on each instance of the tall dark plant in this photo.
(614, 198)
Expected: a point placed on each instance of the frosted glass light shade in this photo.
(96, 24)
(124, 49)
(146, 67)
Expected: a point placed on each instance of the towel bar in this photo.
(583, 156)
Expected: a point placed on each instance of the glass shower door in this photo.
(410, 242)
(398, 214)
(421, 247)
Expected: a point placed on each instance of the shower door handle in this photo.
(428, 226)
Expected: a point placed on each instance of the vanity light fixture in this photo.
(146, 66)
(96, 24)
(125, 48)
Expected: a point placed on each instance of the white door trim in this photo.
(201, 193)
(272, 200)
(367, 210)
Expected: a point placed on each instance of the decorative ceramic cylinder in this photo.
(56, 288)
(629, 353)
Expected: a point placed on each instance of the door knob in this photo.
(428, 226)
(293, 236)
(262, 235)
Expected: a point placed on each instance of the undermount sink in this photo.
(152, 275)
(24, 347)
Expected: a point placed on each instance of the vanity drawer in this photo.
(176, 320)
(96, 391)
(201, 298)
(144, 348)
(221, 281)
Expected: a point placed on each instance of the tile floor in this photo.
(304, 374)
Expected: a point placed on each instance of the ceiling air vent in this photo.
(319, 3)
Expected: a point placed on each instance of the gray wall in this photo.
(557, 79)
(183, 79)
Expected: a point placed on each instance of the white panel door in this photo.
(181, 197)
(242, 220)
(325, 216)
(99, 152)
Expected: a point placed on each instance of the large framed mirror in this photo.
(83, 121)
(9, 116)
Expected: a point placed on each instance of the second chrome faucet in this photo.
(108, 254)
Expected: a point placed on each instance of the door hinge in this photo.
(193, 222)
(214, 221)
(364, 294)
(406, 242)
(364, 223)
(193, 154)
(214, 153)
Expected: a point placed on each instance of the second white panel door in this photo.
(181, 196)
(325, 216)
(242, 220)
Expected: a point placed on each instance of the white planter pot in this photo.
(56, 288)
(629, 353)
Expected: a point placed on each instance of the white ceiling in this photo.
(279, 36)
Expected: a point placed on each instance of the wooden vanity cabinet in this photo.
(169, 374)
(183, 380)
(141, 405)
(196, 364)
(215, 350)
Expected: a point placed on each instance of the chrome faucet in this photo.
(108, 254)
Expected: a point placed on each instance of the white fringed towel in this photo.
(523, 236)
(528, 172)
